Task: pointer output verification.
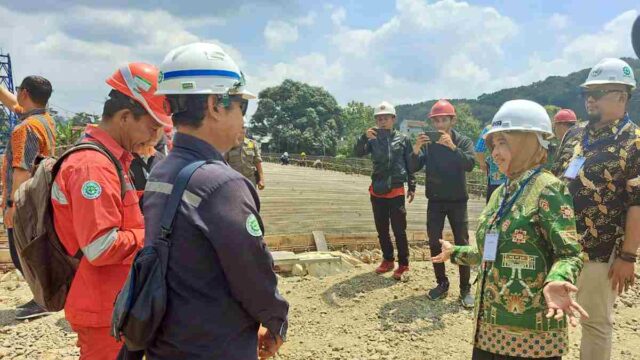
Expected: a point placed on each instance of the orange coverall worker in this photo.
(90, 215)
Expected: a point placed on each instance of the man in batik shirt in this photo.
(600, 162)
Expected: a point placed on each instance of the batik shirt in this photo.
(34, 136)
(537, 243)
(607, 184)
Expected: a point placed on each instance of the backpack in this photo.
(141, 303)
(46, 265)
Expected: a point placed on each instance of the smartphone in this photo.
(383, 133)
(434, 136)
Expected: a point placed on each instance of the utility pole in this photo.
(6, 79)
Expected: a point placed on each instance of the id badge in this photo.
(574, 167)
(490, 246)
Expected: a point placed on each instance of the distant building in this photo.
(415, 127)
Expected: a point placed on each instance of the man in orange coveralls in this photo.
(90, 213)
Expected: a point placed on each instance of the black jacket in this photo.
(390, 157)
(220, 281)
(445, 178)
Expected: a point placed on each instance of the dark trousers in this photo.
(392, 211)
(490, 190)
(485, 355)
(456, 212)
(13, 251)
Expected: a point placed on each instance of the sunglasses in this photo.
(178, 104)
(244, 103)
(597, 94)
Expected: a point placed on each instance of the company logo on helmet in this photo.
(496, 123)
(188, 85)
(160, 76)
(626, 71)
(382, 107)
(596, 72)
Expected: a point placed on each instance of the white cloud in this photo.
(585, 50)
(338, 15)
(314, 69)
(280, 33)
(558, 21)
(307, 20)
(424, 49)
(78, 55)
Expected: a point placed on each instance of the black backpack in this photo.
(141, 304)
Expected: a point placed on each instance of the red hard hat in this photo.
(139, 81)
(442, 108)
(565, 116)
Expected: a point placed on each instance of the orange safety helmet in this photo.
(442, 108)
(139, 81)
(565, 116)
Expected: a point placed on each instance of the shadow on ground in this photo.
(425, 314)
(8, 317)
(356, 286)
(63, 324)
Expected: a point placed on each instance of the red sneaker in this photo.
(399, 271)
(384, 267)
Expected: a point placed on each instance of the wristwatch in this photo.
(627, 256)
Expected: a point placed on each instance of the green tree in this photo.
(299, 117)
(83, 118)
(356, 118)
(467, 123)
(552, 110)
(67, 133)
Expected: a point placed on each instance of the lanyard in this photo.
(585, 138)
(504, 206)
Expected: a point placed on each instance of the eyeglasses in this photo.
(244, 103)
(597, 94)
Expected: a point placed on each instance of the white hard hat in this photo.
(522, 115)
(611, 71)
(384, 108)
(201, 68)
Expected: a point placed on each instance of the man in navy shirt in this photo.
(223, 301)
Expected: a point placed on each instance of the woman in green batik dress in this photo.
(526, 246)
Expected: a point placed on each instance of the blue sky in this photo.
(403, 51)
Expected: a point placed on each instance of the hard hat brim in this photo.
(384, 113)
(498, 130)
(247, 95)
(635, 36)
(586, 84)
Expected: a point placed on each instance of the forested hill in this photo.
(562, 91)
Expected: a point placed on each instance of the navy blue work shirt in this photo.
(221, 284)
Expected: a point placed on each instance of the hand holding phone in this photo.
(434, 136)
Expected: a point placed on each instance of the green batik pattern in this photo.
(537, 243)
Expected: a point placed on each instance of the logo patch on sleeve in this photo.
(253, 226)
(91, 190)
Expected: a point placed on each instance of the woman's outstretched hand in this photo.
(445, 255)
(559, 302)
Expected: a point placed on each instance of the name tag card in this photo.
(490, 246)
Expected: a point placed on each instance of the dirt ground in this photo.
(353, 315)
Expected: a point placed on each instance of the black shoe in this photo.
(466, 299)
(439, 292)
(30, 311)
(26, 305)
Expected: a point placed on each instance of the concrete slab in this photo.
(321, 242)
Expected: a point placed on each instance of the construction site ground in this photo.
(354, 314)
